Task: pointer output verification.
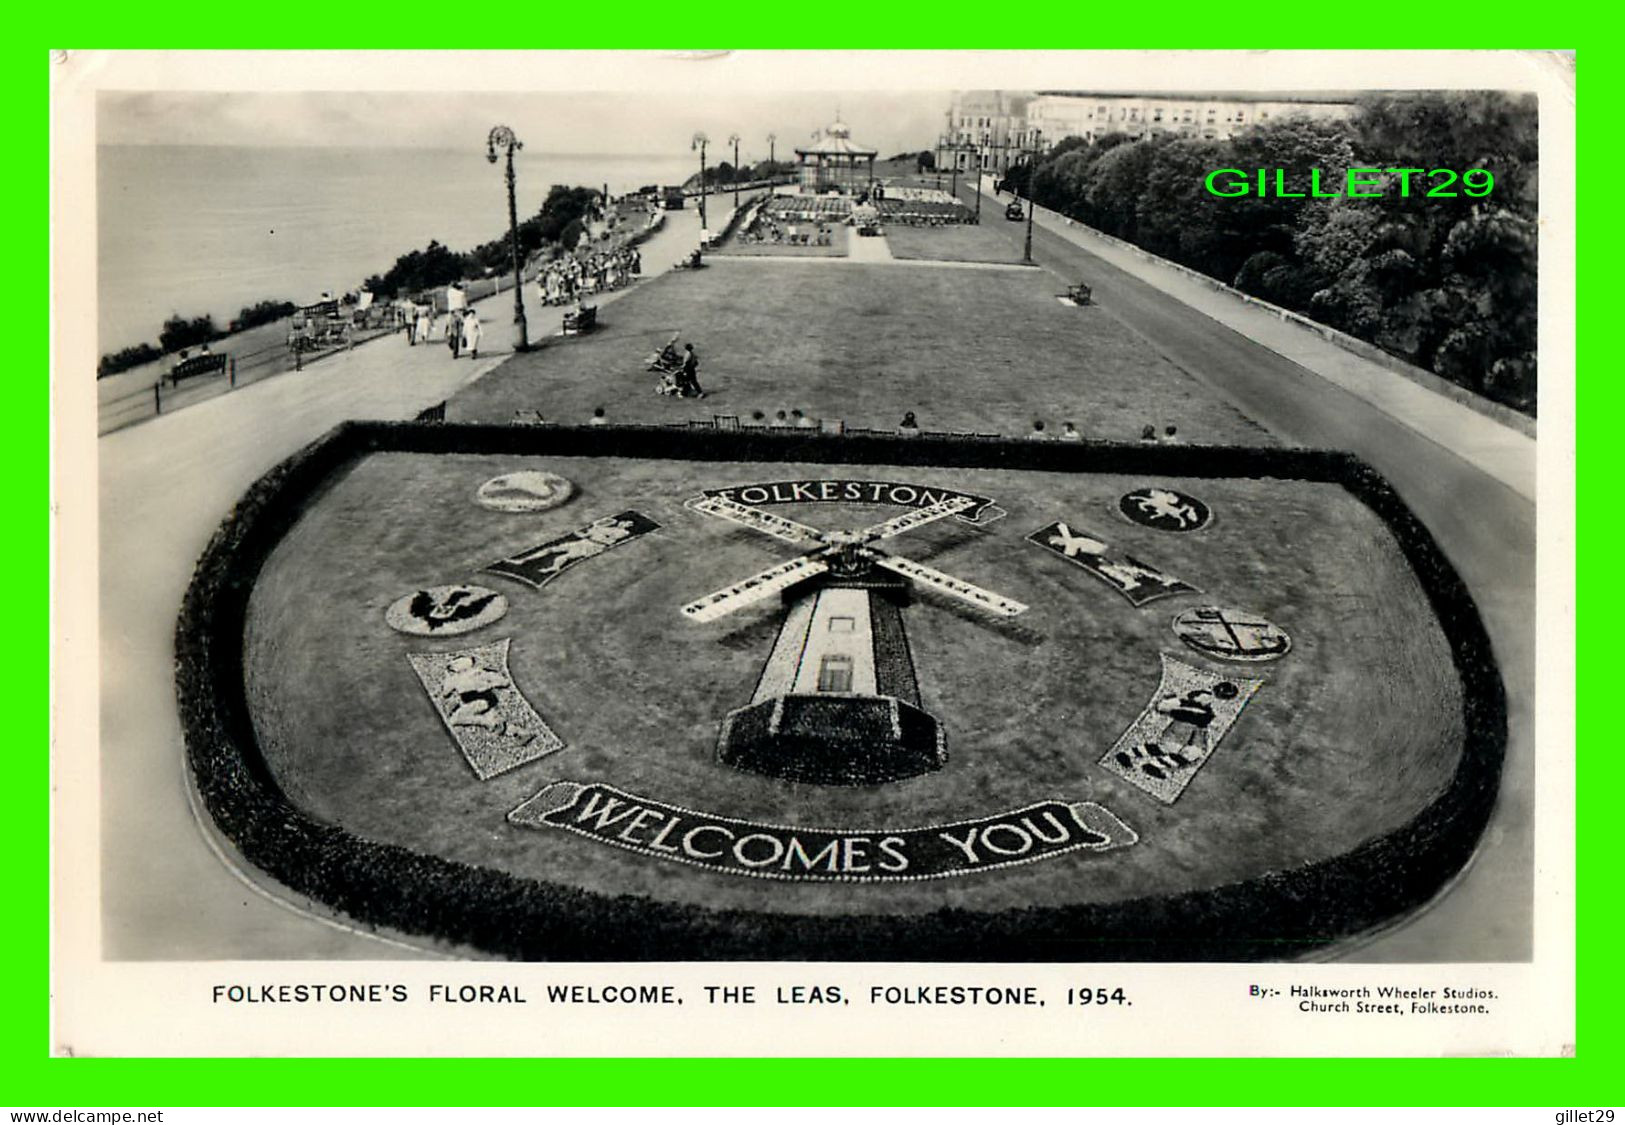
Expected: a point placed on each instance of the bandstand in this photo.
(834, 161)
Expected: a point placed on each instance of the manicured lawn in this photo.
(965, 349)
(1354, 731)
(961, 242)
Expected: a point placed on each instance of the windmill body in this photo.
(837, 702)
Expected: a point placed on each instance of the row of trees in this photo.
(725, 173)
(180, 332)
(924, 161)
(560, 222)
(1446, 283)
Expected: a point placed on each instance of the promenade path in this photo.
(1470, 479)
(165, 485)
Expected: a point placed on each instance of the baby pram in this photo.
(668, 362)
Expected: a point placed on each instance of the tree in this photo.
(1112, 187)
(265, 312)
(127, 358)
(1070, 143)
(178, 332)
(1458, 130)
(433, 266)
(1448, 283)
(1296, 146)
(1177, 217)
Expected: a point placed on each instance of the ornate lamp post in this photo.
(733, 139)
(981, 159)
(1032, 172)
(699, 142)
(502, 138)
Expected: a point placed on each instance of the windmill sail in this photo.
(948, 584)
(919, 517)
(753, 589)
(777, 526)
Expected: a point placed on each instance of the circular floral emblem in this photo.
(1164, 509)
(445, 611)
(1231, 634)
(525, 491)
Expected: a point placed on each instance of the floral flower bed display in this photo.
(1352, 786)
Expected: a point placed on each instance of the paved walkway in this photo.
(1496, 449)
(868, 250)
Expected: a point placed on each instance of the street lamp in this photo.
(981, 159)
(1032, 174)
(733, 139)
(699, 142)
(502, 137)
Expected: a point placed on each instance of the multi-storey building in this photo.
(995, 127)
(991, 124)
(1058, 114)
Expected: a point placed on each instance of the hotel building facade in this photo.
(995, 128)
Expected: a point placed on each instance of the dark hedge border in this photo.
(1280, 915)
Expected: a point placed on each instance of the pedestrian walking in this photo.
(471, 333)
(454, 333)
(688, 381)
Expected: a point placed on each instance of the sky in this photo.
(891, 121)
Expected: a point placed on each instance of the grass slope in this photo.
(966, 349)
(962, 243)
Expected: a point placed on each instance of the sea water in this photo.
(191, 230)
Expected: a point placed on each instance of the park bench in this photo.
(198, 365)
(584, 319)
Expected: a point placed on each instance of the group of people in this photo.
(574, 276)
(1170, 435)
(1069, 432)
(768, 229)
(923, 213)
(808, 209)
(679, 371)
(461, 329)
(910, 427)
(781, 420)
